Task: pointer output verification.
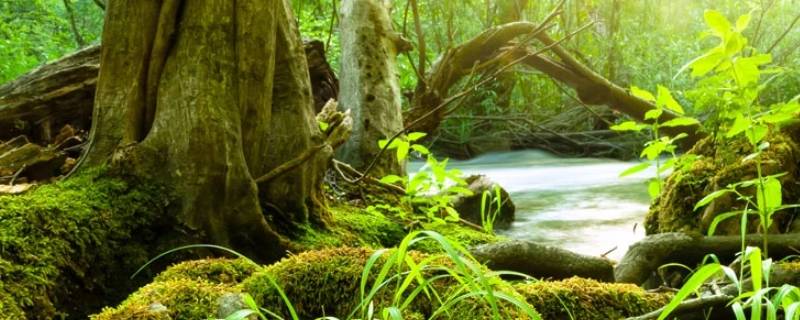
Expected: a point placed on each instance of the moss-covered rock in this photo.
(327, 282)
(220, 271)
(721, 164)
(324, 282)
(61, 245)
(578, 298)
(170, 299)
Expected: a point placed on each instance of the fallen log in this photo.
(51, 96)
(541, 261)
(646, 256)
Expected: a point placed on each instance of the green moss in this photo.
(464, 235)
(317, 283)
(221, 271)
(61, 244)
(589, 300)
(721, 164)
(352, 226)
(170, 299)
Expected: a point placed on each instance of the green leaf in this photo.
(756, 134)
(628, 126)
(707, 62)
(717, 22)
(691, 285)
(637, 168)
(772, 194)
(402, 151)
(241, 314)
(654, 188)
(666, 100)
(653, 114)
(653, 150)
(739, 125)
(421, 149)
(642, 94)
(414, 136)
(323, 126)
(680, 122)
(742, 22)
(711, 197)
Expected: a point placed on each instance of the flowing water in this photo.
(576, 204)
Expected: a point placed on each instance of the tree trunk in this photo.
(369, 83)
(207, 96)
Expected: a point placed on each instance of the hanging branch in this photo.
(73, 24)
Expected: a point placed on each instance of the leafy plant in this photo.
(434, 187)
(403, 145)
(739, 70)
(659, 144)
(763, 301)
(491, 204)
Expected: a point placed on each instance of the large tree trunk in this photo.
(369, 83)
(207, 96)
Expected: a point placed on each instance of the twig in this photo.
(291, 164)
(16, 175)
(783, 35)
(338, 165)
(688, 306)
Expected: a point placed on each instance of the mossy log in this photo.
(66, 249)
(646, 256)
(541, 261)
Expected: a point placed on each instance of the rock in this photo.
(469, 207)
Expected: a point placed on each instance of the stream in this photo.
(579, 204)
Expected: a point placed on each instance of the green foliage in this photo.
(36, 31)
(490, 208)
(659, 145)
(433, 189)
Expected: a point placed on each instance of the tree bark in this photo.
(207, 95)
(369, 83)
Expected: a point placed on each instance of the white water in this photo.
(576, 204)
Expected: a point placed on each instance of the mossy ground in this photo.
(373, 227)
(318, 283)
(720, 164)
(578, 298)
(66, 245)
(327, 282)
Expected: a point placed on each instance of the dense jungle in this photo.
(399, 159)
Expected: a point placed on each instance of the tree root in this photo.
(645, 257)
(541, 261)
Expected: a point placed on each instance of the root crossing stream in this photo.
(577, 204)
